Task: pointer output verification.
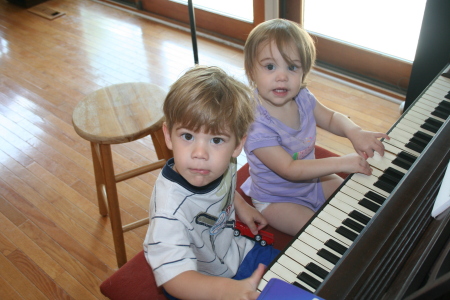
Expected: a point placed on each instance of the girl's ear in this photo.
(239, 147)
(167, 138)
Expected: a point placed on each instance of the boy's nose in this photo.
(200, 151)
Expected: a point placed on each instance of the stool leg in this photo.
(99, 180)
(160, 145)
(113, 204)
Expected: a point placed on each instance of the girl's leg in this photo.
(330, 183)
(287, 217)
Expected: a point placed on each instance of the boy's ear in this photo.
(239, 147)
(167, 138)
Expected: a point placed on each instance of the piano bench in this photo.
(135, 280)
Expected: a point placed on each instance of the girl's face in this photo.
(277, 81)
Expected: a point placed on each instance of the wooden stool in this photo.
(118, 114)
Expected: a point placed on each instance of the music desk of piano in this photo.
(356, 248)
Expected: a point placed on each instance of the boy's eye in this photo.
(270, 67)
(292, 68)
(217, 140)
(187, 136)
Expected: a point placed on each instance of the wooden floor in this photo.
(53, 242)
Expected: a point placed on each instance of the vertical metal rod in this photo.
(193, 30)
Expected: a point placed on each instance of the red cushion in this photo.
(135, 279)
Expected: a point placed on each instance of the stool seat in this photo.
(120, 113)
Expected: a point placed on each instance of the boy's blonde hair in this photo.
(284, 33)
(206, 98)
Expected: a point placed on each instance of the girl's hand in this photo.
(249, 215)
(354, 163)
(367, 142)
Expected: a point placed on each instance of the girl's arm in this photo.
(194, 285)
(248, 214)
(364, 142)
(280, 162)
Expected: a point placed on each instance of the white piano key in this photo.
(362, 189)
(333, 221)
(324, 226)
(300, 257)
(426, 113)
(288, 275)
(296, 268)
(353, 203)
(369, 182)
(419, 118)
(347, 208)
(400, 145)
(385, 162)
(315, 243)
(324, 236)
(311, 252)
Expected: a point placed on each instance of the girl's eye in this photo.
(187, 136)
(217, 140)
(270, 67)
(292, 68)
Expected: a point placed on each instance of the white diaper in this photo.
(260, 206)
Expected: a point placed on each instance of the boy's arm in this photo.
(364, 142)
(194, 285)
(248, 214)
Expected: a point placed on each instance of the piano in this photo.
(375, 238)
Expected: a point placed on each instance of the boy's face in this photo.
(201, 157)
(277, 81)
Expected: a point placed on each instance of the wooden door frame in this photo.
(213, 24)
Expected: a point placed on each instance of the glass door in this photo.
(374, 39)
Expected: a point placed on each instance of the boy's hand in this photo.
(249, 285)
(354, 163)
(367, 142)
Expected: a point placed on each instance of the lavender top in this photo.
(263, 184)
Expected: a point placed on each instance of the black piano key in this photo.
(414, 147)
(309, 280)
(359, 217)
(319, 271)
(299, 285)
(347, 233)
(426, 137)
(375, 198)
(369, 204)
(353, 225)
(418, 141)
(336, 246)
(445, 104)
(439, 114)
(436, 123)
(384, 185)
(391, 177)
(407, 157)
(443, 107)
(324, 253)
(430, 127)
(402, 163)
(447, 96)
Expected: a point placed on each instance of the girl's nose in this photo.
(281, 76)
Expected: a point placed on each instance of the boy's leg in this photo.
(258, 254)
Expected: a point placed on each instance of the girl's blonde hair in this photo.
(285, 34)
(206, 98)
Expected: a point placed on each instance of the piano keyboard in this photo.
(319, 246)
